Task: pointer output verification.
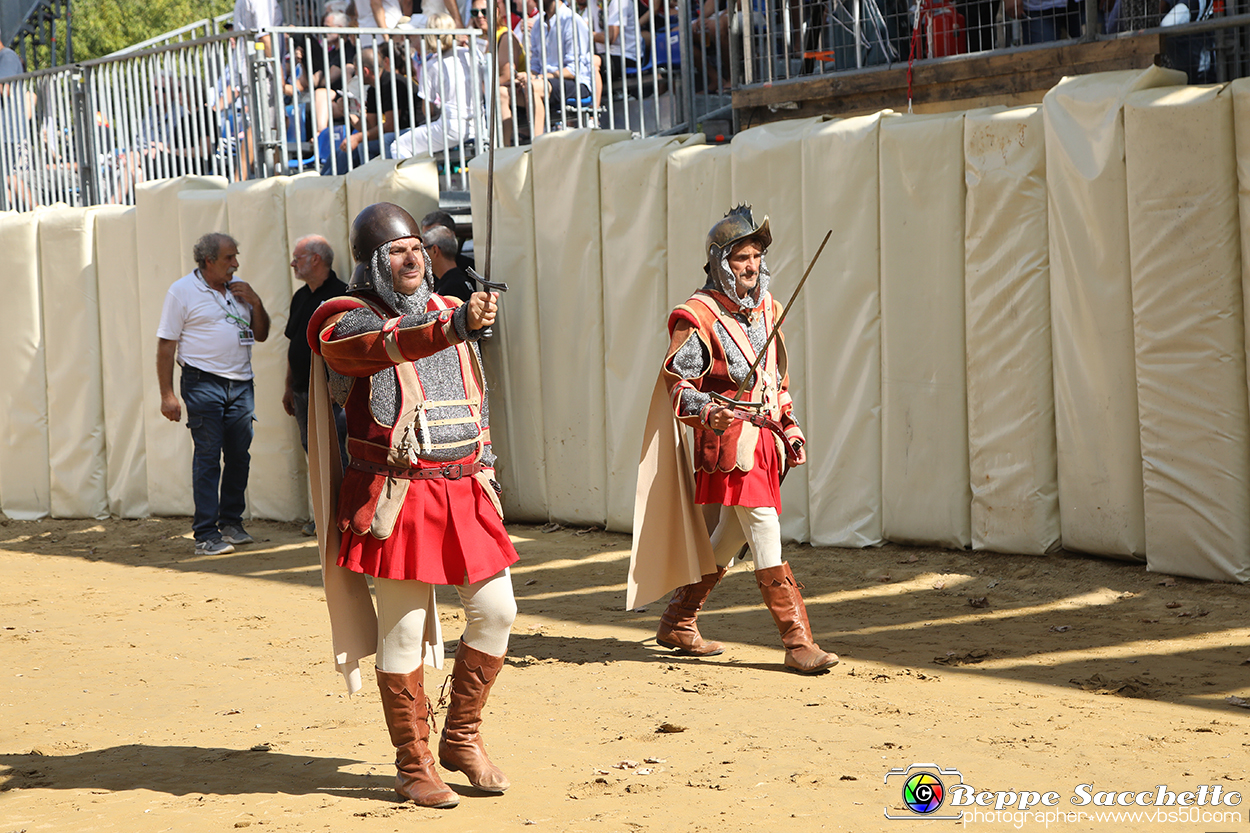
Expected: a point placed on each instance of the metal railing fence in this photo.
(332, 98)
(783, 39)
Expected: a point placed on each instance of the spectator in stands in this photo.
(333, 61)
(10, 63)
(447, 80)
(256, 15)
(449, 279)
(711, 43)
(560, 56)
(620, 36)
(1050, 20)
(387, 110)
(311, 260)
(511, 56)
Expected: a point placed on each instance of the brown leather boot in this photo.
(785, 603)
(406, 710)
(677, 627)
(461, 748)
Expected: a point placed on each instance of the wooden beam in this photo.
(1007, 74)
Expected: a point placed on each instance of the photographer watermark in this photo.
(932, 792)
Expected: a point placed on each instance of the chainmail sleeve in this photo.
(691, 361)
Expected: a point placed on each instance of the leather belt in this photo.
(451, 471)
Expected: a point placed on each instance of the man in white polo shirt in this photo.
(209, 322)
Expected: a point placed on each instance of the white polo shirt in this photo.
(206, 325)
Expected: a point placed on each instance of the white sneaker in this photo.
(213, 546)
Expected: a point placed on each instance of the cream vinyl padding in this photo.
(412, 184)
(24, 474)
(842, 303)
(318, 205)
(75, 399)
(277, 482)
(512, 357)
(766, 178)
(635, 253)
(699, 193)
(568, 257)
(1011, 398)
(123, 349)
(1098, 442)
(925, 495)
(164, 256)
(1189, 328)
(365, 182)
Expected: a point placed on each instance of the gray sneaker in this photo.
(212, 546)
(309, 528)
(236, 535)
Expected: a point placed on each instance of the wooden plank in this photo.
(1014, 70)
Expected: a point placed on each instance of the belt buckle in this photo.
(459, 471)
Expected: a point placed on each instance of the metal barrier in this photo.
(784, 39)
(332, 98)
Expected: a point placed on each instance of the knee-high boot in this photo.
(407, 711)
(677, 625)
(461, 748)
(785, 603)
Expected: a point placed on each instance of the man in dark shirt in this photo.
(311, 259)
(449, 279)
(391, 105)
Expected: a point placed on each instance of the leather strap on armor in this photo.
(452, 471)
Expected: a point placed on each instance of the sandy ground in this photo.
(145, 689)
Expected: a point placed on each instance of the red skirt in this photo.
(447, 530)
(761, 486)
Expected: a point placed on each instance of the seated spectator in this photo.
(449, 279)
(711, 44)
(622, 28)
(511, 56)
(386, 110)
(447, 81)
(560, 56)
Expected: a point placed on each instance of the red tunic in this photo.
(444, 531)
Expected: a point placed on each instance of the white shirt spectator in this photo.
(257, 14)
(563, 42)
(624, 13)
(206, 326)
(448, 80)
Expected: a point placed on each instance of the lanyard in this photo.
(227, 305)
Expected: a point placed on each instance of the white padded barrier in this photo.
(277, 486)
(512, 357)
(1098, 441)
(700, 191)
(570, 290)
(123, 349)
(365, 183)
(766, 177)
(925, 492)
(413, 185)
(24, 475)
(71, 320)
(635, 256)
(164, 256)
(842, 305)
(318, 205)
(1011, 393)
(1189, 326)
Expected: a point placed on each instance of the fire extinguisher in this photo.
(943, 28)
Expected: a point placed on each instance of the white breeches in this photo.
(489, 610)
(758, 526)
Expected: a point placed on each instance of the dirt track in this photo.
(145, 689)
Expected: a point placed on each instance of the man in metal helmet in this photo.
(418, 505)
(740, 449)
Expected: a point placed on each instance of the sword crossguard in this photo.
(497, 287)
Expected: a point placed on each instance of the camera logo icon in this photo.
(923, 791)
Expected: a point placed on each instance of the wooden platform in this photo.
(1018, 76)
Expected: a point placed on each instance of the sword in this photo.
(784, 313)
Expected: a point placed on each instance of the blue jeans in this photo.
(300, 401)
(219, 414)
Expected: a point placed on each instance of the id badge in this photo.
(246, 339)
